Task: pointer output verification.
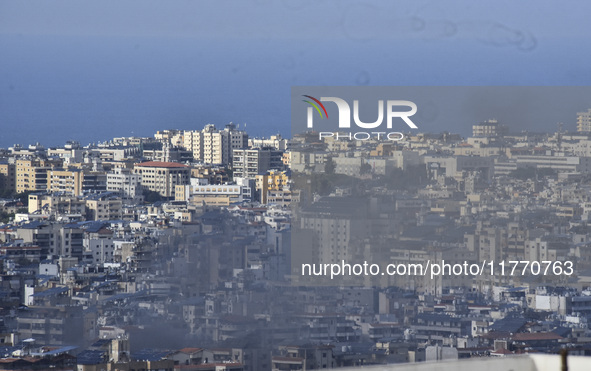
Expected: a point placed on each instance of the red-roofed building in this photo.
(528, 337)
(163, 177)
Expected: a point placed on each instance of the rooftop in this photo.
(161, 164)
(531, 362)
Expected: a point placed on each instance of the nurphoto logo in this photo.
(392, 111)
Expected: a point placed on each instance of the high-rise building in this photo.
(213, 146)
(584, 121)
(193, 141)
(31, 174)
(218, 144)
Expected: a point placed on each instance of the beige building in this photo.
(271, 181)
(193, 141)
(65, 181)
(47, 204)
(168, 153)
(104, 206)
(218, 144)
(213, 146)
(283, 198)
(211, 194)
(172, 136)
(274, 141)
(31, 175)
(162, 177)
(7, 176)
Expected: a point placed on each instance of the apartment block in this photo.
(215, 194)
(274, 141)
(31, 174)
(65, 181)
(193, 141)
(218, 144)
(162, 177)
(56, 325)
(248, 163)
(489, 128)
(168, 153)
(54, 239)
(584, 121)
(98, 245)
(56, 204)
(7, 176)
(271, 181)
(104, 206)
(127, 184)
(172, 136)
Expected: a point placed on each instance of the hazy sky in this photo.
(93, 70)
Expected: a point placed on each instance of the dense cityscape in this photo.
(185, 250)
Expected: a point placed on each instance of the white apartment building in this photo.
(126, 184)
(584, 121)
(248, 163)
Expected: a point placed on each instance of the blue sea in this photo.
(88, 88)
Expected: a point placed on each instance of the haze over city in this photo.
(179, 214)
